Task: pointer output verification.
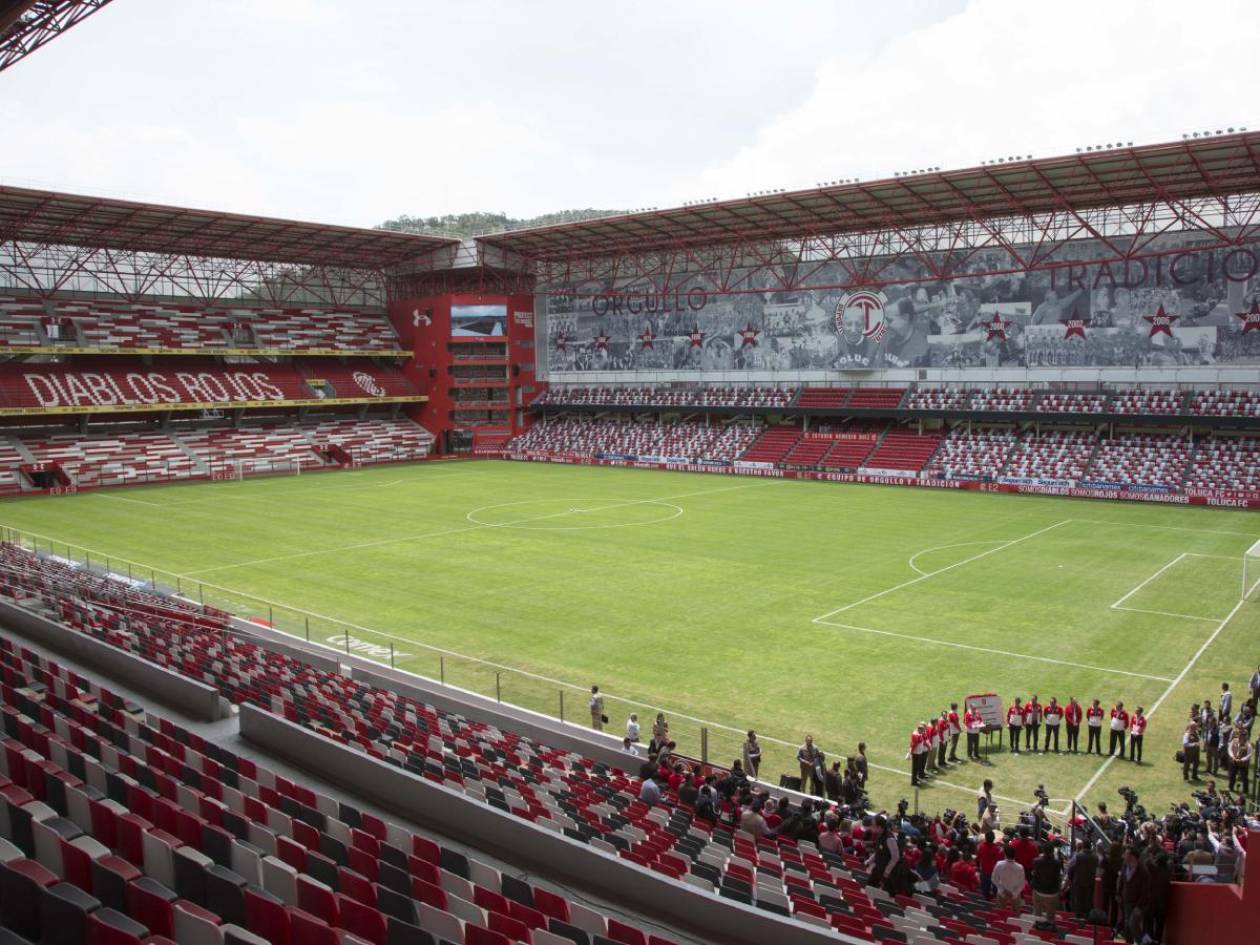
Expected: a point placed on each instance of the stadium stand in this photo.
(938, 398)
(1052, 455)
(195, 328)
(904, 451)
(1143, 460)
(125, 458)
(975, 454)
(775, 443)
(1003, 399)
(670, 397)
(1147, 401)
(1073, 403)
(684, 441)
(1225, 403)
(877, 398)
(812, 397)
(1229, 465)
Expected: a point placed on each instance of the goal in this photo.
(1251, 573)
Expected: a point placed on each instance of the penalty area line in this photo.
(1102, 769)
(991, 650)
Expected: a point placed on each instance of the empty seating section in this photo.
(877, 398)
(1073, 402)
(815, 397)
(165, 829)
(685, 441)
(938, 398)
(833, 451)
(669, 396)
(124, 827)
(808, 451)
(1226, 465)
(192, 327)
(902, 451)
(375, 441)
(1003, 399)
(973, 455)
(775, 443)
(351, 381)
(114, 460)
(178, 453)
(1226, 403)
(1142, 460)
(1146, 401)
(1052, 455)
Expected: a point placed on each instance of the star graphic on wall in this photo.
(561, 340)
(1074, 327)
(697, 337)
(749, 336)
(1160, 322)
(647, 337)
(997, 327)
(600, 342)
(1250, 319)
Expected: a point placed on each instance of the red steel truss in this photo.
(986, 220)
(26, 25)
(54, 244)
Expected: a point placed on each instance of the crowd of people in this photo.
(1220, 741)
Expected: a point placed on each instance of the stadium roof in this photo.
(103, 223)
(1200, 167)
(25, 25)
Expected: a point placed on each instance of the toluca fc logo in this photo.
(368, 383)
(860, 315)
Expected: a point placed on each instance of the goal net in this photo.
(1251, 573)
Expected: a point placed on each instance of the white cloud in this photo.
(1002, 79)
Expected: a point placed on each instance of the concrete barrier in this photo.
(520, 842)
(194, 699)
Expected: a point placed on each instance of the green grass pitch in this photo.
(850, 612)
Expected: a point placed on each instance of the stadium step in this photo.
(199, 464)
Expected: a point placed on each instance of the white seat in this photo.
(280, 879)
(247, 863)
(159, 859)
(456, 885)
(587, 919)
(485, 876)
(464, 909)
(192, 928)
(441, 923)
(692, 879)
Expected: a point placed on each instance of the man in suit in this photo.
(1135, 894)
(1227, 700)
(1081, 874)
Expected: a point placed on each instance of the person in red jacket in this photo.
(962, 871)
(1093, 721)
(1137, 728)
(1025, 849)
(1032, 723)
(1072, 716)
(955, 729)
(975, 725)
(1054, 718)
(918, 755)
(1015, 724)
(988, 855)
(1119, 725)
(942, 733)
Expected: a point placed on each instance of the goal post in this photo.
(1251, 573)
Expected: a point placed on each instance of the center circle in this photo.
(569, 515)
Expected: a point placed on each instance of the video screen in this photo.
(478, 321)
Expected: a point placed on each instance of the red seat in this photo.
(626, 934)
(514, 929)
(308, 929)
(549, 904)
(317, 899)
(355, 886)
(429, 893)
(476, 935)
(152, 904)
(527, 915)
(492, 901)
(362, 920)
(265, 917)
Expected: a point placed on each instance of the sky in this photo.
(342, 111)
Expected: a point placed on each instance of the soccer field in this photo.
(850, 612)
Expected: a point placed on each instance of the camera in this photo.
(903, 805)
(1043, 798)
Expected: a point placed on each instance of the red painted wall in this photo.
(1212, 914)
(424, 326)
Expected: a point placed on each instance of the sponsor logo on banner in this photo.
(524, 319)
(1033, 481)
(899, 473)
(746, 464)
(368, 383)
(860, 314)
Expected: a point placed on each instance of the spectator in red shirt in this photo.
(1026, 851)
(988, 855)
(962, 871)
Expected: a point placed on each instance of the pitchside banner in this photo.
(1175, 302)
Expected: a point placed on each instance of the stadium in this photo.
(361, 585)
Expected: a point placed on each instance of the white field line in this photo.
(1166, 613)
(124, 498)
(1116, 605)
(1167, 692)
(986, 649)
(962, 544)
(1174, 528)
(958, 564)
(450, 531)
